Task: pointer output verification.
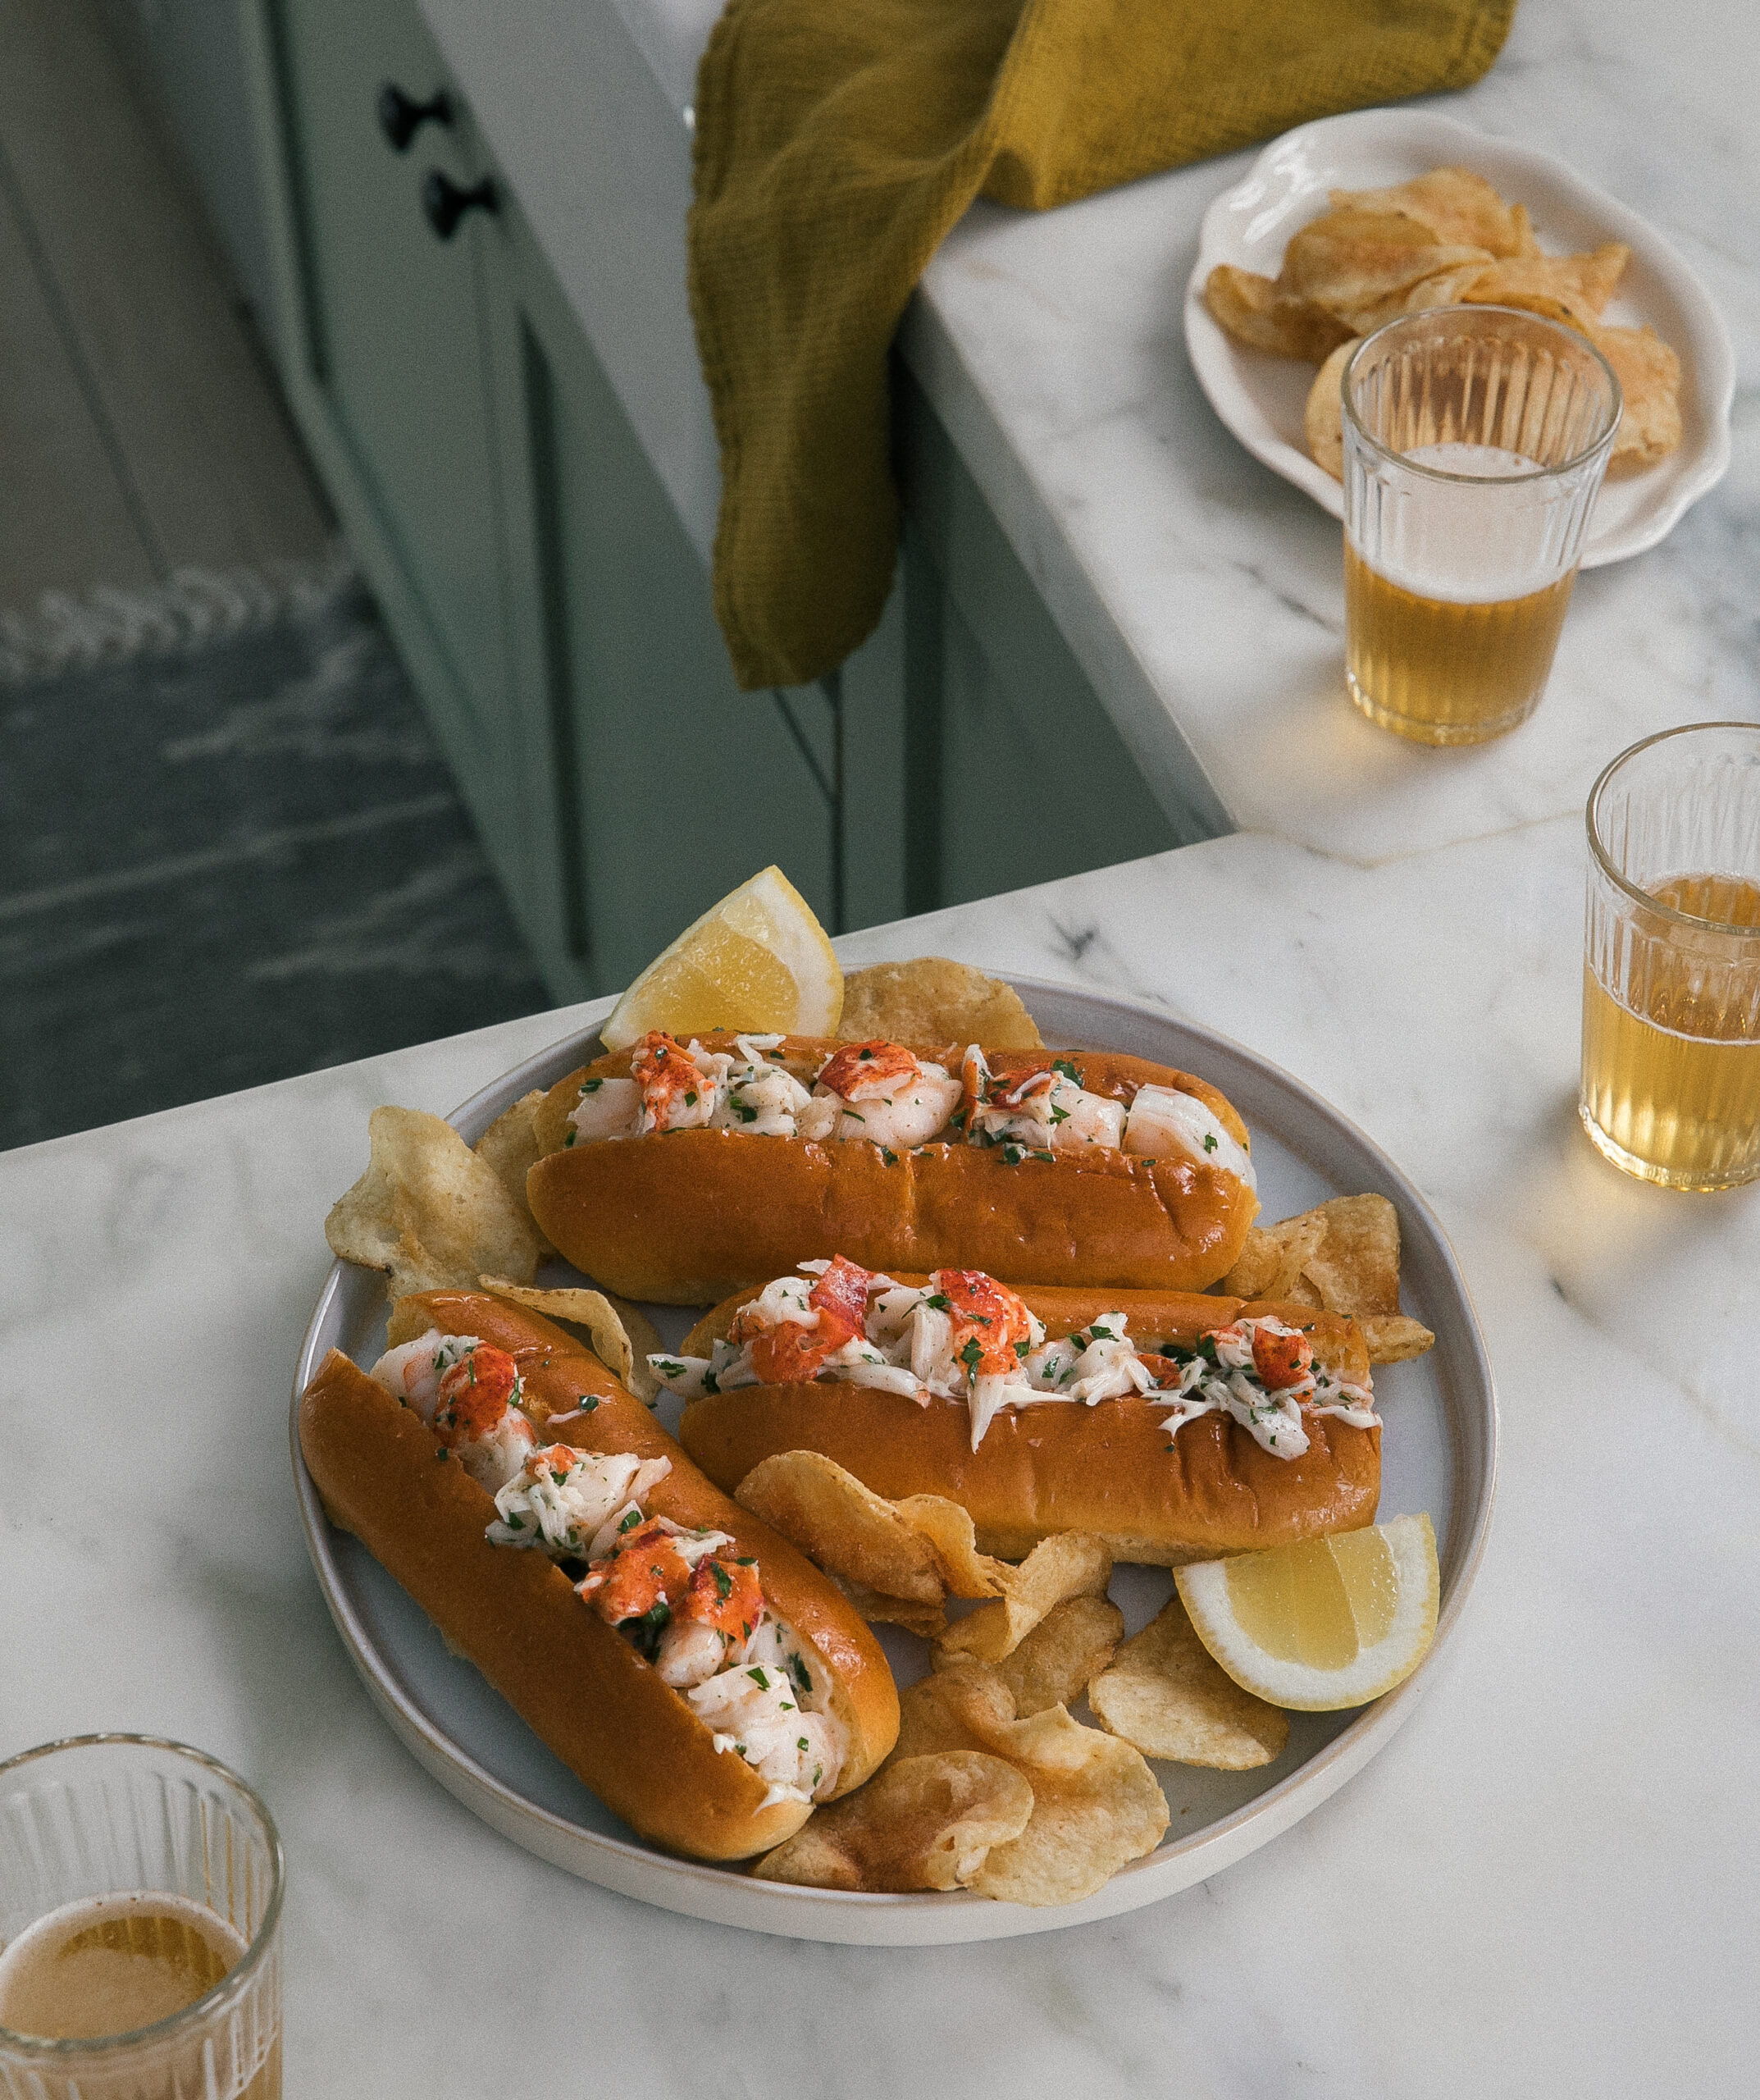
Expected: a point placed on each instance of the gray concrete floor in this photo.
(141, 431)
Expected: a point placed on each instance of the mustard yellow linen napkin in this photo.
(837, 142)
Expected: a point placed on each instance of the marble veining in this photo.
(1539, 1886)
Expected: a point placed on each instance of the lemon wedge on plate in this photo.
(758, 960)
(1328, 1622)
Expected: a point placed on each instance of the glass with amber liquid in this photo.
(1476, 441)
(140, 1905)
(1670, 1086)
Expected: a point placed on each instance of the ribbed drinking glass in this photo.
(1476, 439)
(1670, 1086)
(137, 1872)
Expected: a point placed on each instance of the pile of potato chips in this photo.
(994, 1785)
(1444, 239)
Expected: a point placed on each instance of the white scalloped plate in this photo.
(1260, 398)
(1440, 1453)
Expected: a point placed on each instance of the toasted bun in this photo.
(682, 1217)
(1108, 1468)
(580, 1686)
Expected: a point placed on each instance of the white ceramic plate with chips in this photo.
(1438, 1454)
(1260, 398)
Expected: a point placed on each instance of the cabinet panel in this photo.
(994, 695)
(395, 320)
(670, 785)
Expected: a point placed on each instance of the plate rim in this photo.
(723, 1895)
(1212, 354)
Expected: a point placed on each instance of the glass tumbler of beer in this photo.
(1476, 439)
(1670, 1086)
(140, 1913)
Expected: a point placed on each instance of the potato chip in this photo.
(1649, 375)
(1583, 284)
(1323, 418)
(1166, 1695)
(1274, 1257)
(1096, 1805)
(1392, 1338)
(920, 1823)
(603, 1319)
(951, 1530)
(928, 1622)
(1454, 205)
(429, 1211)
(1255, 312)
(846, 1528)
(1350, 262)
(932, 1000)
(1068, 1564)
(1055, 1663)
(1356, 1267)
(959, 1708)
(510, 1146)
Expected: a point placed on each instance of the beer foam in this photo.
(1491, 534)
(1478, 463)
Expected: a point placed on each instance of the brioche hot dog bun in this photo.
(574, 1679)
(1106, 1468)
(682, 1216)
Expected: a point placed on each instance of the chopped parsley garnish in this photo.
(1021, 1348)
(852, 1115)
(666, 1364)
(1060, 1115)
(1209, 1141)
(691, 1099)
(937, 1302)
(890, 1157)
(863, 1056)
(1068, 1071)
(1049, 1158)
(1012, 1155)
(632, 1518)
(570, 1139)
(799, 1670)
(746, 1114)
(972, 1355)
(760, 1679)
(591, 1086)
(723, 1580)
(800, 1743)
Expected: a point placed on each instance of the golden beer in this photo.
(112, 1965)
(1443, 672)
(1671, 1083)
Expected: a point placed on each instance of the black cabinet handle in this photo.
(445, 204)
(401, 117)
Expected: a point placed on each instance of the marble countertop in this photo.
(1545, 1883)
(1050, 346)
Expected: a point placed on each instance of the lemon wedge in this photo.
(1328, 1622)
(758, 960)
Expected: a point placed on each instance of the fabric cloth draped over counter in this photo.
(836, 145)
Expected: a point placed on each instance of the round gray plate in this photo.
(1439, 1454)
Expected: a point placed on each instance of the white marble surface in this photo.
(1202, 595)
(1546, 1884)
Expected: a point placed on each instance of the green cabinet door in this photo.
(396, 336)
(665, 786)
